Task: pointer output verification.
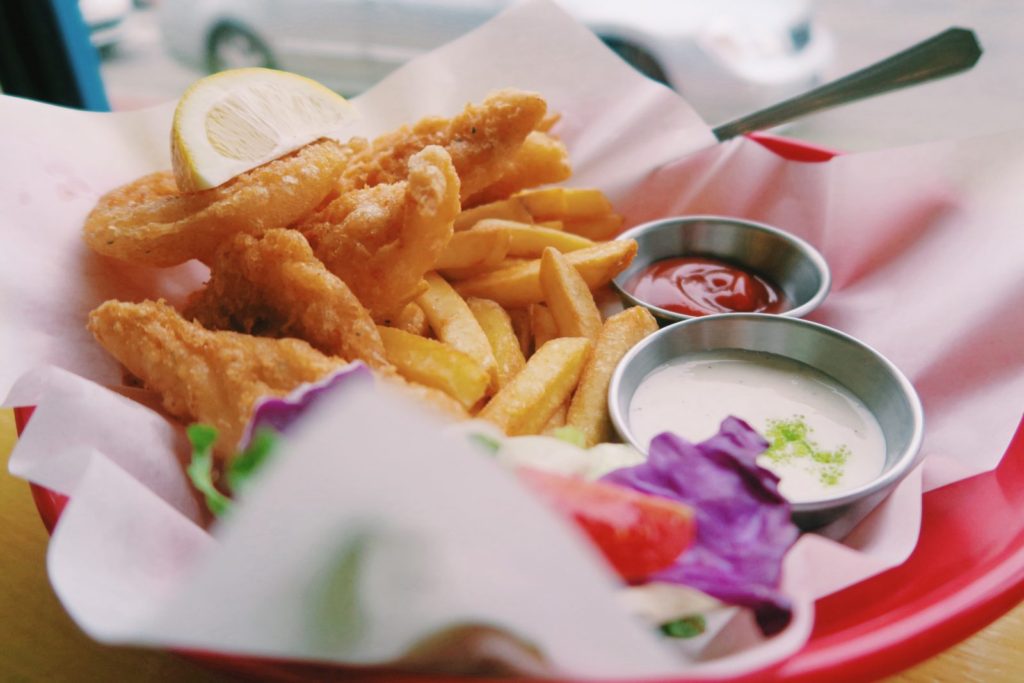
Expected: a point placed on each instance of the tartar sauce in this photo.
(823, 439)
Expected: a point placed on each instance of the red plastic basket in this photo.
(967, 570)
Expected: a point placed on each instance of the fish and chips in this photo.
(431, 253)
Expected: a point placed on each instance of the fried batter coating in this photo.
(274, 286)
(541, 159)
(381, 240)
(149, 221)
(481, 141)
(211, 377)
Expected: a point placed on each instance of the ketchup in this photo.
(694, 285)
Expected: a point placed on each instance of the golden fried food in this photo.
(274, 286)
(568, 297)
(482, 141)
(150, 222)
(201, 375)
(382, 240)
(588, 411)
(541, 159)
(435, 400)
(537, 392)
(518, 285)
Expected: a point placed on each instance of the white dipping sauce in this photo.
(841, 448)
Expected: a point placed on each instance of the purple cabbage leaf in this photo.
(744, 527)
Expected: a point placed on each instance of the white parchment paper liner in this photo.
(919, 239)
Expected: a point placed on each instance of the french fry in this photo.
(479, 247)
(555, 203)
(557, 419)
(455, 274)
(568, 297)
(412, 319)
(519, 285)
(526, 403)
(435, 364)
(453, 323)
(588, 411)
(508, 209)
(543, 327)
(597, 228)
(520, 318)
(554, 225)
(526, 239)
(497, 325)
(540, 160)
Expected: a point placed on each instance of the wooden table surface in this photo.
(38, 642)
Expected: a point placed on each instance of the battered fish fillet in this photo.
(149, 221)
(542, 159)
(274, 286)
(381, 240)
(204, 376)
(481, 141)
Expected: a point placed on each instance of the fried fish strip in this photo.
(481, 140)
(205, 376)
(274, 286)
(149, 221)
(541, 159)
(381, 240)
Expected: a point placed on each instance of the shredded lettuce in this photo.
(200, 470)
(744, 527)
(687, 627)
(244, 465)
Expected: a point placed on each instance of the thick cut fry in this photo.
(520, 318)
(497, 326)
(149, 222)
(273, 286)
(526, 403)
(568, 297)
(597, 228)
(441, 403)
(435, 364)
(381, 240)
(541, 160)
(453, 323)
(565, 203)
(526, 239)
(588, 411)
(506, 209)
(476, 248)
(204, 376)
(557, 420)
(519, 285)
(543, 327)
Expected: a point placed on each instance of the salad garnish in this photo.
(744, 526)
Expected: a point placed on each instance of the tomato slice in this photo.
(638, 534)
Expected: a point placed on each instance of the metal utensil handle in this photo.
(950, 52)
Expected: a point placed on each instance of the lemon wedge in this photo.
(236, 120)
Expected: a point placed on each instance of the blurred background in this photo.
(726, 57)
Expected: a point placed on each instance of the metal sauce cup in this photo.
(788, 262)
(879, 385)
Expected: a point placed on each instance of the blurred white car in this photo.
(105, 21)
(726, 57)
